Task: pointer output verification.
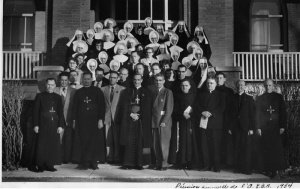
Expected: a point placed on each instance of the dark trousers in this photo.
(242, 156)
(210, 147)
(174, 141)
(67, 144)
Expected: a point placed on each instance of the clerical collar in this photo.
(87, 86)
(211, 91)
(49, 91)
(138, 87)
(241, 93)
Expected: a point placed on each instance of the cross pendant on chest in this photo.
(270, 110)
(137, 100)
(52, 111)
(87, 100)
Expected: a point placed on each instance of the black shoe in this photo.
(125, 167)
(180, 167)
(139, 167)
(51, 169)
(85, 166)
(33, 169)
(206, 169)
(41, 169)
(94, 167)
(189, 166)
(273, 174)
(217, 170)
(164, 168)
(159, 168)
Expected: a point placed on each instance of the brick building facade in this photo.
(227, 23)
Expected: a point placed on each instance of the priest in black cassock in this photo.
(89, 138)
(227, 154)
(48, 122)
(241, 127)
(271, 123)
(210, 108)
(136, 134)
(187, 154)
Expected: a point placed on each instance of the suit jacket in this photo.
(243, 114)
(162, 107)
(111, 108)
(214, 103)
(68, 105)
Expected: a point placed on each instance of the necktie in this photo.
(240, 100)
(63, 95)
(111, 94)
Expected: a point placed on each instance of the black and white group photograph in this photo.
(150, 93)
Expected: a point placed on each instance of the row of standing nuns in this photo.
(172, 45)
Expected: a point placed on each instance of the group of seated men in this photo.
(142, 111)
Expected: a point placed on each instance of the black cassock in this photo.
(136, 136)
(227, 153)
(243, 120)
(48, 115)
(271, 117)
(187, 151)
(89, 140)
(210, 138)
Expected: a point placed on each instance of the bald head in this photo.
(269, 85)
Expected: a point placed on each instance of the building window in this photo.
(18, 25)
(139, 9)
(266, 25)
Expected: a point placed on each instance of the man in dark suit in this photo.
(271, 123)
(67, 94)
(241, 127)
(140, 69)
(210, 107)
(162, 108)
(101, 81)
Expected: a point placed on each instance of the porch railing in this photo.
(19, 65)
(258, 66)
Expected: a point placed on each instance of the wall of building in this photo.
(216, 17)
(294, 26)
(40, 33)
(68, 15)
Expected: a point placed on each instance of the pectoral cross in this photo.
(52, 111)
(87, 100)
(270, 110)
(137, 100)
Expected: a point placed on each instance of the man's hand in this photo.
(186, 115)
(229, 131)
(36, 129)
(281, 130)
(59, 130)
(259, 132)
(134, 116)
(162, 124)
(73, 124)
(250, 132)
(206, 114)
(100, 124)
